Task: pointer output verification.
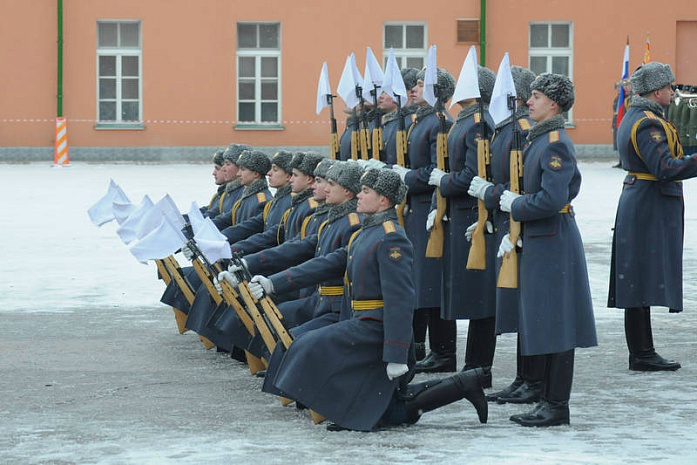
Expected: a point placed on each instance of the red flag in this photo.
(625, 76)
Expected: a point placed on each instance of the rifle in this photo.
(401, 149)
(377, 131)
(170, 270)
(334, 138)
(434, 248)
(508, 274)
(364, 133)
(354, 135)
(477, 256)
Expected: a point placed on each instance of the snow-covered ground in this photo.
(94, 371)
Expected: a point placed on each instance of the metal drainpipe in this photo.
(482, 33)
(59, 93)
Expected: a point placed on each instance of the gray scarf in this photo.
(233, 185)
(467, 112)
(650, 105)
(254, 188)
(554, 123)
(300, 197)
(380, 217)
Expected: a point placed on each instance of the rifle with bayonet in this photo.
(364, 126)
(477, 256)
(378, 145)
(401, 150)
(334, 138)
(434, 248)
(508, 274)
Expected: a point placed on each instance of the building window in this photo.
(467, 31)
(258, 73)
(551, 49)
(119, 75)
(409, 43)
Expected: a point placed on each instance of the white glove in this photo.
(430, 220)
(229, 277)
(436, 177)
(401, 171)
(259, 285)
(188, 253)
(362, 163)
(216, 284)
(395, 370)
(506, 245)
(507, 199)
(473, 226)
(234, 268)
(478, 187)
(374, 164)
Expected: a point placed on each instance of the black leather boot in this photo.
(642, 355)
(420, 350)
(434, 394)
(533, 372)
(436, 362)
(505, 392)
(553, 408)
(481, 342)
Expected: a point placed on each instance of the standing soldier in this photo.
(468, 294)
(527, 386)
(646, 266)
(556, 312)
(422, 155)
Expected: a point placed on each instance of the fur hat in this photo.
(347, 175)
(309, 163)
(218, 157)
(385, 182)
(322, 167)
(651, 76)
(486, 78)
(409, 77)
(254, 160)
(522, 78)
(557, 88)
(283, 160)
(233, 152)
(446, 83)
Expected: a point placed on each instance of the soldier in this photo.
(556, 312)
(353, 371)
(422, 156)
(646, 266)
(392, 114)
(527, 386)
(219, 178)
(467, 294)
(233, 186)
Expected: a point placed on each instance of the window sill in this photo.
(259, 127)
(120, 126)
(568, 125)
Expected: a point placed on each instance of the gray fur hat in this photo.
(218, 157)
(385, 182)
(651, 76)
(323, 166)
(233, 152)
(283, 160)
(347, 175)
(486, 78)
(557, 88)
(409, 77)
(298, 158)
(446, 84)
(254, 160)
(522, 78)
(309, 164)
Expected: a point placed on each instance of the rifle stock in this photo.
(377, 142)
(434, 248)
(508, 274)
(401, 149)
(354, 144)
(334, 146)
(477, 256)
(170, 270)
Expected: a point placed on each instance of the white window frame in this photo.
(549, 52)
(258, 54)
(402, 54)
(119, 53)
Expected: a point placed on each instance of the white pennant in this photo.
(373, 77)
(503, 88)
(347, 85)
(323, 89)
(468, 83)
(393, 84)
(127, 229)
(431, 77)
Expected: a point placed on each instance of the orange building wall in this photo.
(189, 56)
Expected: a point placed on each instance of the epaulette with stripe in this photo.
(477, 117)
(312, 202)
(651, 115)
(389, 227)
(354, 219)
(553, 137)
(524, 124)
(261, 197)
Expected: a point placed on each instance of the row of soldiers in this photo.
(342, 250)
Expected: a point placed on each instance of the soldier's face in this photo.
(300, 181)
(417, 93)
(664, 96)
(386, 103)
(318, 192)
(336, 193)
(277, 177)
(229, 170)
(218, 175)
(247, 176)
(369, 201)
(541, 107)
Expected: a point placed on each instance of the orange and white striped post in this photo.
(60, 153)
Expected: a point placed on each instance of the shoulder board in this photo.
(354, 219)
(477, 117)
(313, 203)
(553, 136)
(389, 227)
(524, 124)
(413, 117)
(650, 114)
(261, 197)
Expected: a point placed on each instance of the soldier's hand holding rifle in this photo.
(478, 187)
(260, 285)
